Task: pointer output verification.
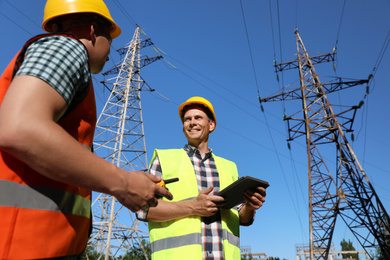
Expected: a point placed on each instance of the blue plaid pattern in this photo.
(60, 61)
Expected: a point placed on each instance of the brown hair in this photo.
(66, 22)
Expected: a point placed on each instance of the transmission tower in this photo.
(346, 191)
(120, 139)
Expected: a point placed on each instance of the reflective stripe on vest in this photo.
(182, 237)
(173, 242)
(86, 146)
(231, 238)
(190, 239)
(41, 198)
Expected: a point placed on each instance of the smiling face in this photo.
(197, 126)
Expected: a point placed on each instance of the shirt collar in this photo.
(191, 150)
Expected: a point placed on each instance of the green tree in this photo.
(90, 253)
(136, 252)
(347, 246)
(379, 254)
(247, 257)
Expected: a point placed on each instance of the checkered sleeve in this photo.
(154, 169)
(60, 61)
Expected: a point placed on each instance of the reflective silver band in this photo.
(231, 238)
(190, 239)
(86, 146)
(23, 196)
(173, 242)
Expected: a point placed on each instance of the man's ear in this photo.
(212, 125)
(92, 34)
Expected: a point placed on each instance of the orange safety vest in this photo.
(40, 217)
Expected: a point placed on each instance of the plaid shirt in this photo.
(60, 61)
(206, 175)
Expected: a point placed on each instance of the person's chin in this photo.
(96, 70)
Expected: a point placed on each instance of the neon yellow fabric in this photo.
(178, 238)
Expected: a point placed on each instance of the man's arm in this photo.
(254, 200)
(203, 205)
(28, 131)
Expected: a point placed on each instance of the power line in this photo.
(219, 94)
(341, 20)
(272, 29)
(17, 9)
(124, 11)
(16, 24)
(216, 83)
(266, 121)
(337, 39)
(381, 54)
(249, 46)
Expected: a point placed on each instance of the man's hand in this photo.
(140, 191)
(255, 199)
(206, 205)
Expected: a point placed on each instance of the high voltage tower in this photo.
(120, 139)
(345, 191)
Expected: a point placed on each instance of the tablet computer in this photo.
(234, 193)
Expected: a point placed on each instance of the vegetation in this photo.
(379, 254)
(136, 252)
(90, 253)
(133, 253)
(347, 246)
(247, 257)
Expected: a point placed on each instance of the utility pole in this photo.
(120, 139)
(346, 191)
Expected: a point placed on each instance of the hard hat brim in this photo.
(197, 101)
(54, 9)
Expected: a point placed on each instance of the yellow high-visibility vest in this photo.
(181, 238)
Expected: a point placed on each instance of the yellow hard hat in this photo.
(56, 8)
(197, 101)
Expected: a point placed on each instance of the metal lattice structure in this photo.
(303, 252)
(346, 191)
(120, 139)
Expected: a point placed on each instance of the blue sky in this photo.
(207, 44)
